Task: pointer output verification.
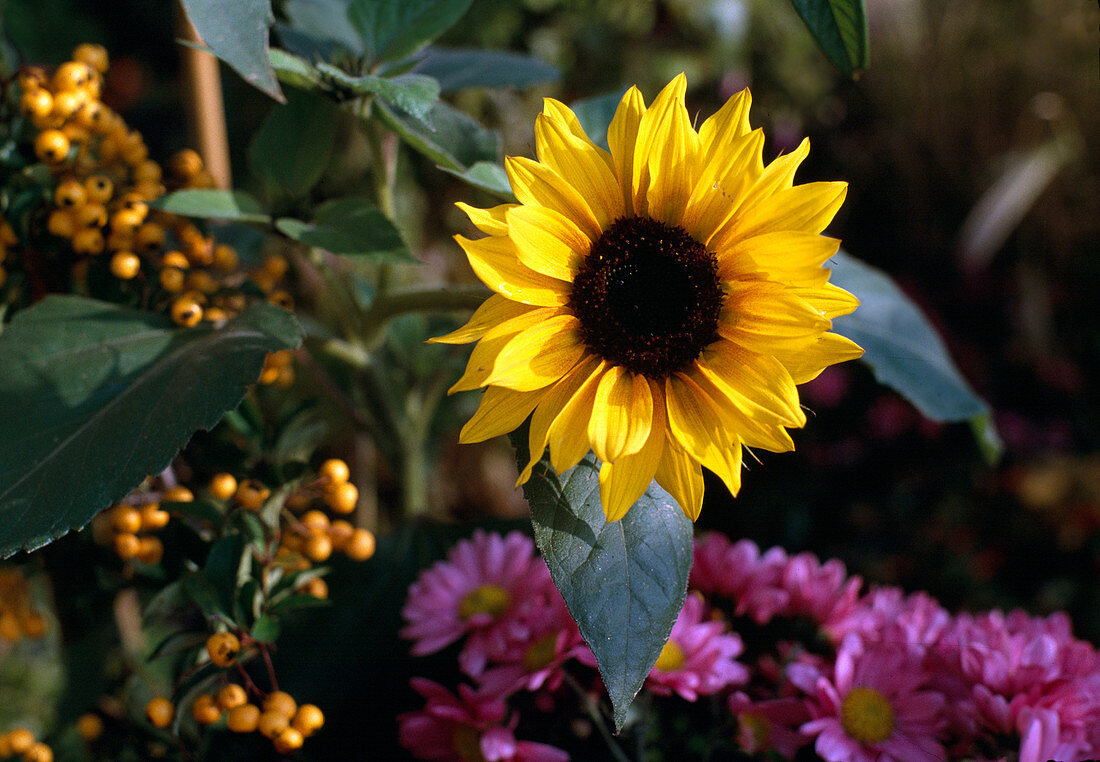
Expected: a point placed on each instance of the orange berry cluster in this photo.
(128, 531)
(278, 718)
(18, 617)
(314, 535)
(105, 182)
(20, 743)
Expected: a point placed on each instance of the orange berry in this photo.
(201, 281)
(281, 702)
(178, 494)
(51, 146)
(34, 624)
(30, 77)
(89, 726)
(92, 54)
(316, 587)
(289, 740)
(186, 312)
(222, 486)
(61, 223)
(37, 103)
(99, 189)
(315, 521)
(232, 696)
(308, 719)
(172, 280)
(251, 495)
(225, 258)
(66, 103)
(160, 712)
(272, 724)
(39, 752)
(126, 519)
(342, 498)
(340, 532)
(205, 709)
(298, 501)
(88, 241)
(9, 627)
(281, 299)
(223, 648)
(20, 740)
(93, 115)
(127, 546)
(90, 214)
(126, 221)
(186, 163)
(175, 259)
(69, 193)
(152, 517)
(146, 172)
(71, 75)
(149, 237)
(243, 719)
(125, 265)
(360, 545)
(317, 548)
(335, 471)
(150, 550)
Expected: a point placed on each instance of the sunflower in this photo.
(655, 304)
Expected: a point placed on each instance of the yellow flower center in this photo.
(466, 741)
(540, 653)
(866, 715)
(486, 599)
(647, 296)
(671, 658)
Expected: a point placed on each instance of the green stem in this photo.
(597, 718)
(389, 306)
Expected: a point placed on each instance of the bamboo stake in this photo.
(203, 102)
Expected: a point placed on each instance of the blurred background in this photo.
(970, 149)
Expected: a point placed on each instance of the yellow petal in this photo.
(753, 425)
(492, 312)
(623, 481)
(726, 125)
(761, 384)
(786, 256)
(666, 157)
(495, 261)
(538, 435)
(537, 185)
(722, 183)
(569, 431)
(484, 357)
(808, 208)
(578, 161)
(697, 427)
(621, 414)
(538, 356)
(622, 137)
(830, 348)
(501, 410)
(761, 315)
(489, 221)
(682, 478)
(547, 242)
(831, 301)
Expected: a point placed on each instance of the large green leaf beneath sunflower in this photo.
(392, 30)
(905, 352)
(459, 68)
(489, 177)
(280, 155)
(237, 33)
(94, 397)
(445, 135)
(352, 227)
(840, 28)
(211, 203)
(624, 581)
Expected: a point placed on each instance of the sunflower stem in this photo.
(597, 718)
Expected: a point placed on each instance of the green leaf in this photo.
(209, 203)
(266, 629)
(624, 582)
(596, 113)
(840, 28)
(459, 68)
(295, 71)
(489, 177)
(237, 33)
(279, 153)
(392, 30)
(296, 602)
(324, 20)
(205, 594)
(227, 564)
(903, 349)
(351, 227)
(195, 509)
(94, 397)
(412, 93)
(445, 135)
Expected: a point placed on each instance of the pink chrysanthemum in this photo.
(537, 660)
(771, 724)
(821, 591)
(479, 590)
(737, 571)
(874, 707)
(471, 726)
(698, 658)
(887, 614)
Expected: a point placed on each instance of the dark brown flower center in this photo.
(647, 297)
